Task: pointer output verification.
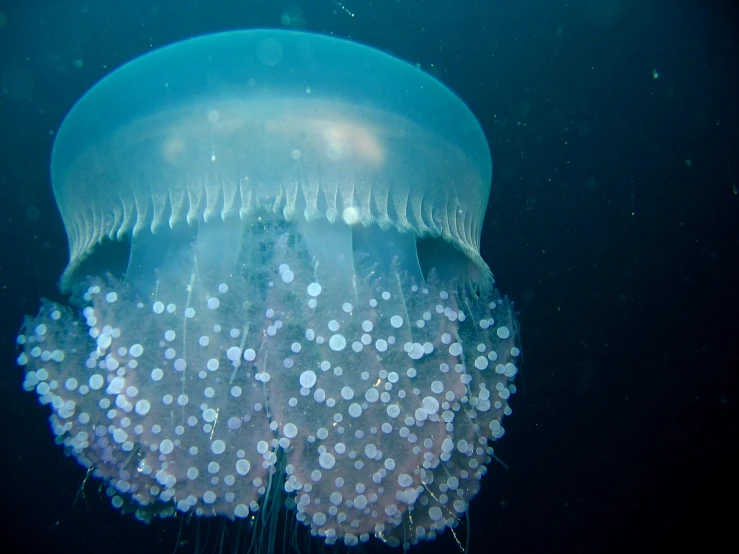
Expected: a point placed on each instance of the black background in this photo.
(612, 223)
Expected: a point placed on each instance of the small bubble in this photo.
(33, 214)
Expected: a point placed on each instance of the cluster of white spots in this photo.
(421, 409)
(439, 404)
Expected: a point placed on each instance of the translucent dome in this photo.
(299, 124)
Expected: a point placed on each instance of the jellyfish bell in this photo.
(275, 277)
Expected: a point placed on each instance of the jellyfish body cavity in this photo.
(275, 274)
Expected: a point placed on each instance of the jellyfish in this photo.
(275, 287)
